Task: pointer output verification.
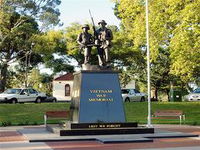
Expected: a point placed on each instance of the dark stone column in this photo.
(96, 97)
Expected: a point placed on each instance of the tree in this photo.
(40, 82)
(52, 47)
(14, 47)
(185, 43)
(174, 32)
(18, 22)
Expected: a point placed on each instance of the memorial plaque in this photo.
(103, 125)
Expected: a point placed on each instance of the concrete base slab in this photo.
(100, 131)
(123, 140)
(42, 135)
(171, 135)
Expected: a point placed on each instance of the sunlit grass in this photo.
(138, 111)
(23, 114)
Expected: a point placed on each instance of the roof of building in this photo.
(65, 77)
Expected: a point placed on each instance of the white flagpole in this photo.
(148, 67)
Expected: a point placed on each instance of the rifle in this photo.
(93, 25)
(83, 46)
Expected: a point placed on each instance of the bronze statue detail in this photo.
(85, 40)
(101, 39)
(104, 37)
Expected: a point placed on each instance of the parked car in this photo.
(194, 96)
(16, 95)
(129, 95)
(50, 99)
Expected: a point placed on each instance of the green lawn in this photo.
(138, 111)
(30, 114)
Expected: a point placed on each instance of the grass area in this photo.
(138, 111)
(32, 114)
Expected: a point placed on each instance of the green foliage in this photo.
(12, 45)
(43, 10)
(50, 44)
(71, 34)
(173, 24)
(6, 123)
(18, 23)
(174, 39)
(185, 48)
(134, 61)
(40, 82)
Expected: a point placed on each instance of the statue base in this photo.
(96, 97)
(97, 106)
(77, 129)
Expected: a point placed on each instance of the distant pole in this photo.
(148, 67)
(26, 71)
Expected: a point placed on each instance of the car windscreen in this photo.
(197, 90)
(125, 91)
(12, 91)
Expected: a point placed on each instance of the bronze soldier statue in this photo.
(104, 37)
(85, 41)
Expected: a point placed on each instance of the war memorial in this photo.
(96, 111)
(97, 105)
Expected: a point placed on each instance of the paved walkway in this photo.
(17, 138)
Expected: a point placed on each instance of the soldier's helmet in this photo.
(102, 22)
(86, 26)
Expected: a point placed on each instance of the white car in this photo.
(22, 95)
(194, 96)
(129, 95)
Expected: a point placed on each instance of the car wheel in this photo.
(54, 100)
(38, 100)
(127, 99)
(14, 101)
(142, 99)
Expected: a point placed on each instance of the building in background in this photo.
(62, 87)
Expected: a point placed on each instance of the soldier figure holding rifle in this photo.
(85, 40)
(101, 39)
(104, 37)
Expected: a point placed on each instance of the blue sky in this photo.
(78, 11)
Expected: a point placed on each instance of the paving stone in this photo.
(11, 136)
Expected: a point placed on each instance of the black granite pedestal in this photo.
(96, 97)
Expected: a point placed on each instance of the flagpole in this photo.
(148, 67)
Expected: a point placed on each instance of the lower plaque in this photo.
(103, 125)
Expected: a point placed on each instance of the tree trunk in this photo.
(156, 94)
(3, 74)
(167, 92)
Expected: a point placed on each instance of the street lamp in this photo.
(148, 67)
